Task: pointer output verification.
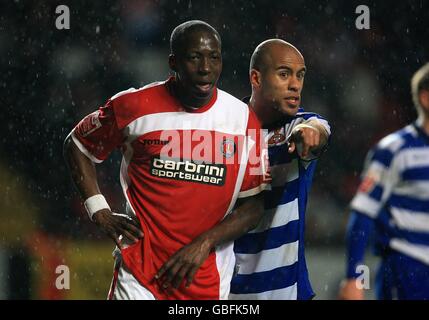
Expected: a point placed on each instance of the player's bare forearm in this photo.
(244, 218)
(82, 170)
(84, 176)
(186, 262)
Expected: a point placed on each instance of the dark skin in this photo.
(186, 262)
(276, 93)
(197, 67)
(84, 176)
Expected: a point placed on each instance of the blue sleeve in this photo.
(358, 232)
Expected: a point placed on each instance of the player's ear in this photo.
(172, 62)
(255, 78)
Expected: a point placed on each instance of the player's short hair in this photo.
(259, 57)
(180, 33)
(419, 82)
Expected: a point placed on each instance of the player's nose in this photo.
(294, 84)
(204, 66)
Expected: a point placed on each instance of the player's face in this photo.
(424, 101)
(282, 81)
(198, 67)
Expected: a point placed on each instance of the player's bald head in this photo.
(182, 33)
(268, 51)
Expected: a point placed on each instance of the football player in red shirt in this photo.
(188, 155)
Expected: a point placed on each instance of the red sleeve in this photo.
(97, 134)
(256, 177)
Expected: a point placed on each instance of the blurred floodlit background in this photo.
(50, 79)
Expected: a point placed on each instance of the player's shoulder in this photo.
(397, 146)
(398, 140)
(131, 104)
(308, 114)
(302, 116)
(236, 110)
(133, 93)
(228, 99)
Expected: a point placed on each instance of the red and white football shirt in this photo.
(182, 172)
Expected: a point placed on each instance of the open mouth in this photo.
(204, 87)
(293, 101)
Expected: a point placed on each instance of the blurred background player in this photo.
(270, 259)
(177, 198)
(393, 199)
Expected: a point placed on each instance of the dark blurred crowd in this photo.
(50, 79)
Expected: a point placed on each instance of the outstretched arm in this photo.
(84, 176)
(185, 262)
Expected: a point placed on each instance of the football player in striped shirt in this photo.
(393, 201)
(270, 259)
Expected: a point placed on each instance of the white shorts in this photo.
(124, 286)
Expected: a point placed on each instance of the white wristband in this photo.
(94, 204)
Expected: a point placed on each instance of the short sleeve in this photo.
(378, 179)
(97, 134)
(257, 175)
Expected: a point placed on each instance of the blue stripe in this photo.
(421, 173)
(389, 231)
(414, 237)
(376, 193)
(280, 155)
(268, 239)
(265, 281)
(408, 203)
(384, 230)
(383, 156)
(282, 195)
(308, 115)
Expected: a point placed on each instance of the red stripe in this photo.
(114, 281)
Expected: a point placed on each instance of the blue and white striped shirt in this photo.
(395, 192)
(270, 259)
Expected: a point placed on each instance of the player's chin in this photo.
(202, 95)
(289, 109)
(198, 90)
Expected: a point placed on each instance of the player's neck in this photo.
(187, 100)
(263, 115)
(424, 122)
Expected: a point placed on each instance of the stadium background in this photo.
(358, 79)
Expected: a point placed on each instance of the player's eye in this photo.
(284, 74)
(215, 57)
(193, 57)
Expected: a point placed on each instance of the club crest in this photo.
(227, 148)
(277, 137)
